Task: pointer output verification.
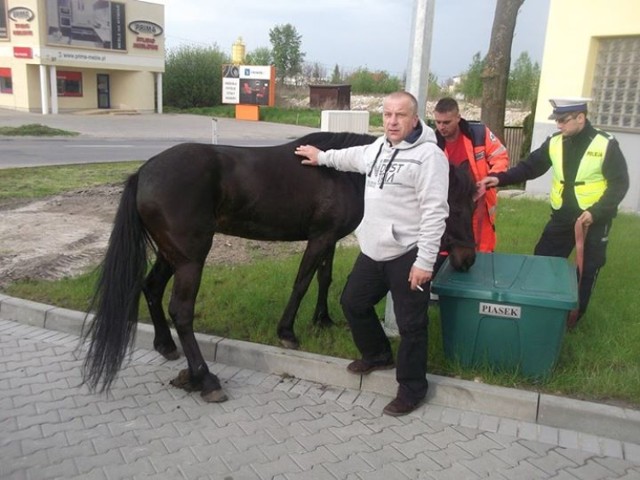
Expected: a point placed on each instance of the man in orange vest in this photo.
(475, 144)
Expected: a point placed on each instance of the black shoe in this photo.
(398, 407)
(362, 367)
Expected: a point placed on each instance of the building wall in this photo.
(134, 88)
(571, 47)
(32, 92)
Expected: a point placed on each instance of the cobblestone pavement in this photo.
(271, 428)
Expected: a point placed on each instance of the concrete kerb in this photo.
(617, 423)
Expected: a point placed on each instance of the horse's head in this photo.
(458, 239)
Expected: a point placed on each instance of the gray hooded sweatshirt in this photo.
(405, 203)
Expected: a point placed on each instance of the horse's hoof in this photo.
(323, 321)
(183, 381)
(173, 355)
(214, 396)
(291, 344)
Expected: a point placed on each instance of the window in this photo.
(6, 85)
(616, 84)
(69, 84)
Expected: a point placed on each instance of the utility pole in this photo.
(420, 52)
(417, 84)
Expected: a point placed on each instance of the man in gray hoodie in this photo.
(405, 208)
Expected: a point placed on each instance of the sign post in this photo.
(248, 87)
(214, 131)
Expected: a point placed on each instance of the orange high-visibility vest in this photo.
(486, 155)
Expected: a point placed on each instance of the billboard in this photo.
(86, 23)
(4, 30)
(248, 84)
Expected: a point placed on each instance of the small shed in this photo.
(330, 97)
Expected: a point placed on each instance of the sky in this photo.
(345, 33)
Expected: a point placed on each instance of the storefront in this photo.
(72, 55)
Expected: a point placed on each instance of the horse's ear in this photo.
(465, 168)
(461, 179)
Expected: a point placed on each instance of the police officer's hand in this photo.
(586, 218)
(488, 182)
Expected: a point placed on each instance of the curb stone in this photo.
(617, 423)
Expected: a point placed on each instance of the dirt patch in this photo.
(67, 234)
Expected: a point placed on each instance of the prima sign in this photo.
(144, 27)
(21, 14)
(497, 310)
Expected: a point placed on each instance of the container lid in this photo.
(520, 279)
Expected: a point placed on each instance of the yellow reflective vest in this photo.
(589, 184)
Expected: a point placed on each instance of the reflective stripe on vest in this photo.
(589, 184)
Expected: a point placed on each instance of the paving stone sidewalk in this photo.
(271, 428)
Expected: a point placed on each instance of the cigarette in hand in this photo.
(419, 288)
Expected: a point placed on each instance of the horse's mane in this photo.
(334, 140)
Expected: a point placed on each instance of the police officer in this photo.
(590, 179)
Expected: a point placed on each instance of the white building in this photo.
(69, 55)
(592, 49)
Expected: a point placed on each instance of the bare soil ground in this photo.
(65, 235)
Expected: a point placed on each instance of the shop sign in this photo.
(21, 14)
(22, 52)
(146, 33)
(101, 26)
(143, 27)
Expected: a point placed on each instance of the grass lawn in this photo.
(35, 130)
(308, 117)
(38, 182)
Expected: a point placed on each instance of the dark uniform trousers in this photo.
(367, 284)
(558, 240)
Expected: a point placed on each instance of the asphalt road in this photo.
(33, 152)
(109, 138)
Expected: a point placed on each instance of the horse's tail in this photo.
(117, 295)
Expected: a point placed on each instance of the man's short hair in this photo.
(447, 104)
(409, 96)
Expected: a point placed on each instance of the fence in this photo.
(513, 138)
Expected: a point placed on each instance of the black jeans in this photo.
(367, 284)
(558, 240)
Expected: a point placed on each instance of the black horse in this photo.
(180, 198)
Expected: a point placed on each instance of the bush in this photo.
(364, 81)
(193, 77)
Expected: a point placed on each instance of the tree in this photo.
(495, 74)
(259, 56)
(193, 76)
(471, 83)
(434, 90)
(523, 80)
(287, 56)
(336, 77)
(318, 73)
(527, 127)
